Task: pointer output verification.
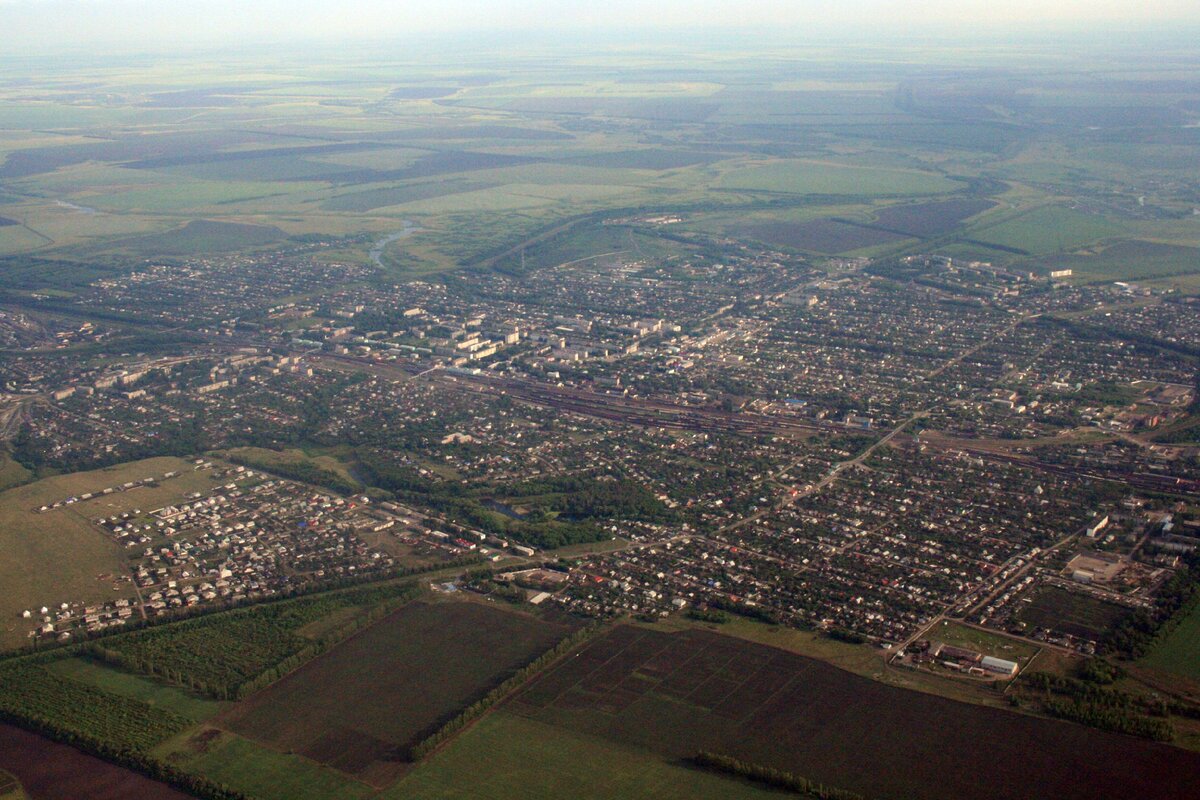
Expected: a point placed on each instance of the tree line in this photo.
(775, 778)
(481, 706)
(1089, 701)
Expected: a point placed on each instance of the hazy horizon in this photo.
(142, 25)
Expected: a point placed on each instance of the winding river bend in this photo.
(376, 254)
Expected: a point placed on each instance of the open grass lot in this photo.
(507, 756)
(826, 178)
(61, 555)
(1179, 651)
(358, 707)
(290, 460)
(51, 771)
(1069, 612)
(176, 196)
(1046, 230)
(675, 694)
(986, 642)
(19, 239)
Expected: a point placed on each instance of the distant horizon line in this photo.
(1129, 37)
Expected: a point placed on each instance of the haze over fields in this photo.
(535, 399)
(147, 25)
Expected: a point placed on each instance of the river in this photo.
(376, 254)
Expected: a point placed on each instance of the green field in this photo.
(360, 705)
(506, 756)
(260, 772)
(824, 178)
(990, 644)
(1046, 230)
(1179, 651)
(1131, 260)
(204, 236)
(224, 655)
(11, 473)
(482, 158)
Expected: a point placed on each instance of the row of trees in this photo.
(518, 678)
(775, 778)
(1110, 719)
(32, 691)
(1089, 700)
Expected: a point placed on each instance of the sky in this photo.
(144, 23)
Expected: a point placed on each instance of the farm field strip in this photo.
(676, 694)
(360, 706)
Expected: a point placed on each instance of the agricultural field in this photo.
(259, 771)
(204, 236)
(51, 771)
(371, 199)
(1179, 651)
(828, 178)
(1072, 613)
(506, 756)
(930, 219)
(360, 706)
(1046, 230)
(852, 658)
(1131, 260)
(481, 162)
(676, 694)
(831, 236)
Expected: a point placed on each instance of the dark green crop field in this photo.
(821, 235)
(360, 706)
